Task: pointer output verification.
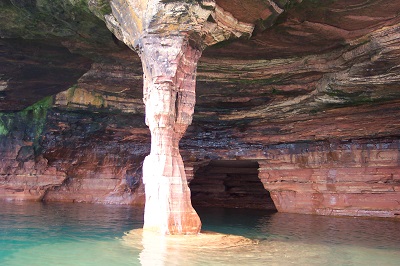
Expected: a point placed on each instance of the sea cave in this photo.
(196, 120)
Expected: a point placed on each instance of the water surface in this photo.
(91, 234)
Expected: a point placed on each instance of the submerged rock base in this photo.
(159, 249)
(140, 238)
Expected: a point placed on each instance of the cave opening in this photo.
(230, 184)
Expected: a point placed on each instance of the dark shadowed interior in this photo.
(230, 183)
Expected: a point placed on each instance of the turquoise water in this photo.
(91, 234)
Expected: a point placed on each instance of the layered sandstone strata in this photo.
(359, 178)
(24, 173)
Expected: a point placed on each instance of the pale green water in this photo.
(86, 234)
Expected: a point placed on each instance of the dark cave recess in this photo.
(231, 184)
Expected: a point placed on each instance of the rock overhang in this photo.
(302, 30)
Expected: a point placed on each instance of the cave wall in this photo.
(359, 178)
(24, 173)
(87, 153)
(313, 96)
(73, 155)
(88, 157)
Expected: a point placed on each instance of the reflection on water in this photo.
(85, 234)
(312, 229)
(159, 249)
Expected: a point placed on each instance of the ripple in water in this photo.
(86, 234)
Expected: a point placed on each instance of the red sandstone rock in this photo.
(169, 72)
(346, 180)
(28, 180)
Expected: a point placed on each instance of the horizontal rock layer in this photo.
(77, 157)
(360, 178)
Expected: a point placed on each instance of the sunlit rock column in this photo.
(169, 37)
(169, 65)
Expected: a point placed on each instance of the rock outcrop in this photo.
(312, 97)
(24, 173)
(359, 178)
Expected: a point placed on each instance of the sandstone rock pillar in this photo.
(169, 65)
(169, 37)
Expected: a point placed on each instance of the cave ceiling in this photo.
(311, 70)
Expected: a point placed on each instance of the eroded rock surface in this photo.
(358, 178)
(24, 173)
